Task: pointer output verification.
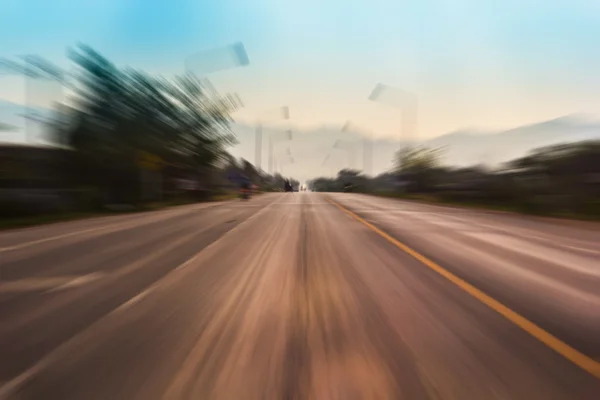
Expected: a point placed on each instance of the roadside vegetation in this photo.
(124, 140)
(561, 181)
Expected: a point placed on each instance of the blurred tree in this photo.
(325, 185)
(565, 176)
(351, 180)
(119, 115)
(415, 159)
(419, 166)
(559, 180)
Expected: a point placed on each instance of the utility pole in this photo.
(368, 155)
(270, 155)
(258, 149)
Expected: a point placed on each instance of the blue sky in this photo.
(479, 63)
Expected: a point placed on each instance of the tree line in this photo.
(123, 130)
(562, 180)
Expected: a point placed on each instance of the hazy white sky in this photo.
(471, 63)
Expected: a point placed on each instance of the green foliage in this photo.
(417, 159)
(118, 115)
(420, 165)
(326, 185)
(556, 180)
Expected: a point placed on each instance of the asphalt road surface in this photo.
(288, 296)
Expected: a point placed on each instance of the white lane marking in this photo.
(470, 220)
(131, 268)
(79, 281)
(50, 284)
(257, 258)
(525, 233)
(513, 240)
(111, 227)
(516, 276)
(48, 239)
(554, 256)
(135, 299)
(518, 237)
(301, 204)
(496, 239)
(8, 388)
(576, 248)
(481, 217)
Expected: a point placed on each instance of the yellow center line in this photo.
(575, 356)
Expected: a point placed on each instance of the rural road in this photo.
(291, 296)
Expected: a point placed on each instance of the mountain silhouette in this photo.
(314, 154)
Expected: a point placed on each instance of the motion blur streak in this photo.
(567, 351)
(176, 186)
(299, 301)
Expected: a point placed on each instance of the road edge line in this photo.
(575, 356)
(165, 212)
(9, 387)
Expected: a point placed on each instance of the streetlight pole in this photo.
(366, 146)
(271, 155)
(368, 155)
(408, 106)
(281, 113)
(258, 147)
(350, 148)
(214, 60)
(329, 167)
(279, 162)
(28, 78)
(271, 145)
